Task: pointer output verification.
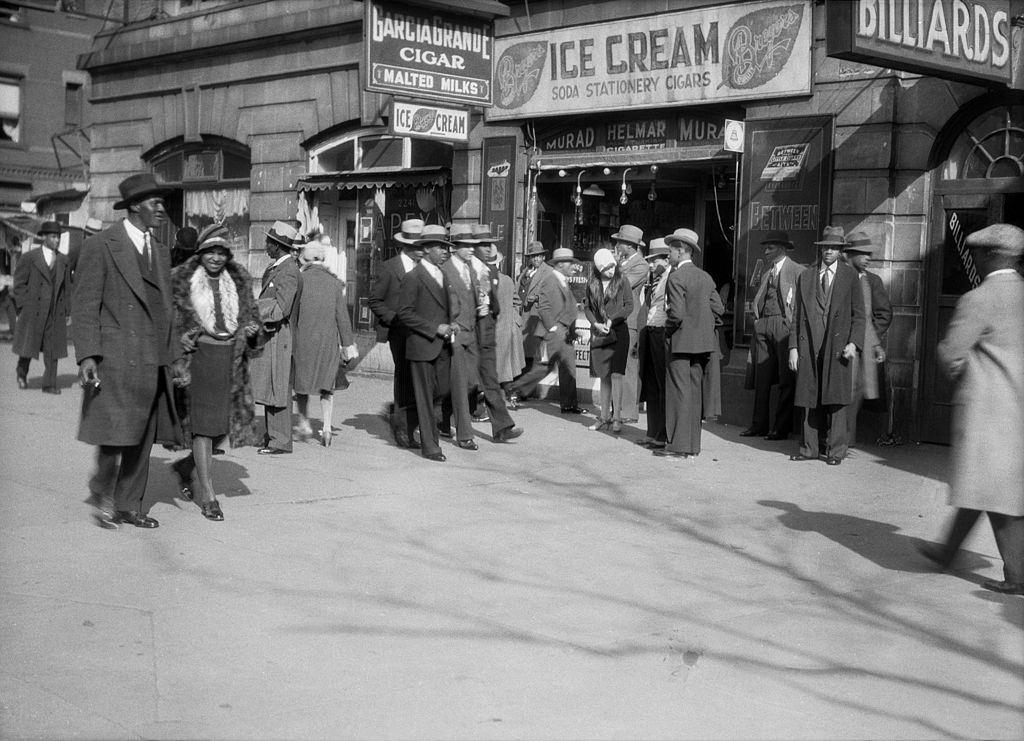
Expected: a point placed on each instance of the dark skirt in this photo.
(211, 388)
(611, 358)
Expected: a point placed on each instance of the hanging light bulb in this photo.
(623, 197)
(652, 194)
(578, 200)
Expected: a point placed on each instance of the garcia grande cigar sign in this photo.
(723, 53)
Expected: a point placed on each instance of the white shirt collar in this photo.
(135, 234)
(830, 268)
(1003, 271)
(434, 271)
(280, 260)
(407, 262)
(684, 262)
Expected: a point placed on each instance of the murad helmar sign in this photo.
(416, 52)
(957, 39)
(741, 51)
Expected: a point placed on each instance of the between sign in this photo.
(429, 121)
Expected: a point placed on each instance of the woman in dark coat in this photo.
(217, 321)
(322, 338)
(608, 304)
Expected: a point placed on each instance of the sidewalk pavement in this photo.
(566, 585)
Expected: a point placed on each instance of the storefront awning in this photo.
(22, 225)
(635, 157)
(411, 177)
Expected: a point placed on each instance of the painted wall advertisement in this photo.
(497, 204)
(785, 185)
(960, 40)
(417, 52)
(722, 53)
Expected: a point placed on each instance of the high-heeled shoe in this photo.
(184, 482)
(325, 439)
(212, 511)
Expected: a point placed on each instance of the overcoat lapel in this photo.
(39, 263)
(126, 259)
(439, 293)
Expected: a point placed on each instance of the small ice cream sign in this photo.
(429, 122)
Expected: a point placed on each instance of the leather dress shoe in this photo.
(575, 410)
(663, 453)
(482, 417)
(630, 420)
(751, 432)
(272, 451)
(105, 520)
(212, 511)
(467, 444)
(776, 435)
(509, 433)
(136, 519)
(439, 457)
(51, 390)
(1003, 587)
(513, 401)
(832, 460)
(800, 457)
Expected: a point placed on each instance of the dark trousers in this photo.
(824, 432)
(279, 427)
(49, 369)
(122, 471)
(560, 355)
(488, 369)
(403, 416)
(652, 381)
(684, 401)
(630, 379)
(431, 382)
(771, 348)
(465, 359)
(1009, 535)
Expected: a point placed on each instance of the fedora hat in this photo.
(409, 231)
(563, 254)
(50, 227)
(683, 236)
(535, 248)
(779, 238)
(482, 233)
(462, 234)
(434, 234)
(139, 187)
(657, 248)
(832, 236)
(860, 243)
(93, 226)
(283, 233)
(1000, 239)
(630, 234)
(214, 236)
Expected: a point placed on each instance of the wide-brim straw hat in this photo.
(1000, 239)
(832, 236)
(535, 248)
(563, 254)
(629, 234)
(284, 234)
(859, 243)
(462, 234)
(779, 237)
(684, 236)
(482, 233)
(434, 234)
(139, 187)
(409, 231)
(657, 248)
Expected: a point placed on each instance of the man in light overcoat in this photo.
(634, 268)
(42, 284)
(271, 369)
(983, 352)
(122, 326)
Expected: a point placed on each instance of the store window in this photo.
(73, 95)
(214, 179)
(10, 109)
(990, 146)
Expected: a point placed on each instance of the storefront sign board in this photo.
(967, 41)
(785, 184)
(634, 134)
(429, 121)
(730, 52)
(497, 184)
(417, 52)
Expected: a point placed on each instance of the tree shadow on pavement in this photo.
(878, 542)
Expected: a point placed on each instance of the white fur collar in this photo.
(202, 300)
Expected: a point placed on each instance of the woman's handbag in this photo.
(341, 381)
(603, 340)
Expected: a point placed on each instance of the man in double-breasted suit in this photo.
(773, 317)
(383, 302)
(122, 325)
(463, 286)
(827, 333)
(41, 289)
(634, 268)
(424, 307)
(691, 305)
(271, 369)
(555, 326)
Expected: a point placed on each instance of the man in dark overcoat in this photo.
(122, 326)
(423, 307)
(691, 306)
(271, 369)
(42, 285)
(627, 242)
(383, 302)
(827, 334)
(531, 280)
(774, 305)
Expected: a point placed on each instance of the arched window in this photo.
(213, 175)
(989, 146)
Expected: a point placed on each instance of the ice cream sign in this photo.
(429, 121)
(415, 52)
(731, 52)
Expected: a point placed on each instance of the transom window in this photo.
(373, 150)
(990, 146)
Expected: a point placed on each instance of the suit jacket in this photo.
(271, 369)
(881, 308)
(531, 299)
(115, 320)
(40, 297)
(383, 299)
(635, 270)
(788, 274)
(556, 306)
(461, 300)
(823, 331)
(423, 305)
(691, 305)
(983, 352)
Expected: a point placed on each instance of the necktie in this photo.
(147, 252)
(825, 276)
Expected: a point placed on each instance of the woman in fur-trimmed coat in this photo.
(218, 326)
